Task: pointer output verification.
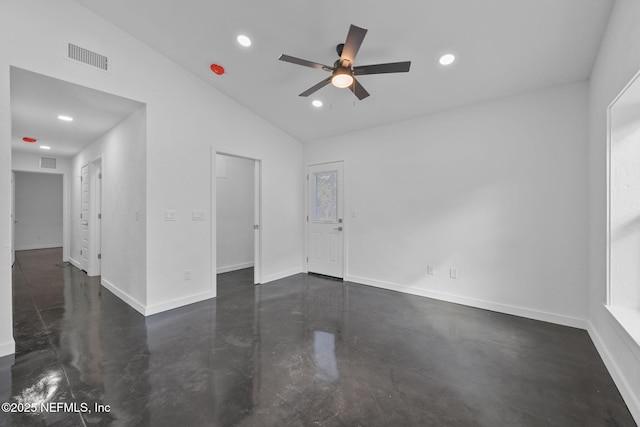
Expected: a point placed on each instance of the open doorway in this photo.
(37, 210)
(237, 214)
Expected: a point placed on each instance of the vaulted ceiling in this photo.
(502, 47)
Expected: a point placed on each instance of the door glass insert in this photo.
(326, 197)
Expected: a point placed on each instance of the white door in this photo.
(326, 241)
(256, 222)
(98, 222)
(13, 217)
(84, 217)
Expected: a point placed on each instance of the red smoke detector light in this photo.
(218, 69)
(26, 139)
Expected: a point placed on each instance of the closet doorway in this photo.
(237, 213)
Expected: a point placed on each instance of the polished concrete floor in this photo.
(302, 351)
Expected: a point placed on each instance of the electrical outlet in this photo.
(430, 270)
(453, 273)
(169, 215)
(187, 275)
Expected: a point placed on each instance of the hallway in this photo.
(296, 352)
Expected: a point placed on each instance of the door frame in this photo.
(257, 206)
(13, 218)
(95, 191)
(345, 217)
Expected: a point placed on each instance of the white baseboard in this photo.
(180, 302)
(281, 275)
(616, 373)
(134, 303)
(234, 267)
(39, 246)
(472, 302)
(75, 263)
(7, 348)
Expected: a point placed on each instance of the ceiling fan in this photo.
(343, 72)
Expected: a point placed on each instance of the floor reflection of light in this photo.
(324, 354)
(42, 391)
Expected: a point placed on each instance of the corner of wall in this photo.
(7, 348)
(617, 373)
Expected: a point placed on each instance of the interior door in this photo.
(326, 228)
(98, 229)
(84, 217)
(256, 221)
(13, 218)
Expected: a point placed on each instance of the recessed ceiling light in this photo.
(317, 103)
(45, 147)
(244, 40)
(65, 118)
(447, 59)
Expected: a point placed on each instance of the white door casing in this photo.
(256, 221)
(95, 222)
(325, 220)
(13, 217)
(84, 217)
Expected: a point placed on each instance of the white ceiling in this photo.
(503, 47)
(36, 102)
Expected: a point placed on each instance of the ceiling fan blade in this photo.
(391, 67)
(358, 90)
(304, 62)
(352, 45)
(314, 88)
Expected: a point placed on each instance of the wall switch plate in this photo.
(453, 273)
(430, 270)
(197, 216)
(169, 215)
(187, 275)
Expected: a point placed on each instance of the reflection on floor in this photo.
(302, 351)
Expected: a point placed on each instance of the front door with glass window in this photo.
(326, 228)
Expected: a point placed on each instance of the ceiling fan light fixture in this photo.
(342, 78)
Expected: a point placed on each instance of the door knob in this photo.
(338, 228)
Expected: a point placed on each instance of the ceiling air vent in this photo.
(88, 57)
(47, 163)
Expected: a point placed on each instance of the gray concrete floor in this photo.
(302, 351)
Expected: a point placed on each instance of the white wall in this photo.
(235, 213)
(31, 163)
(39, 200)
(496, 191)
(185, 119)
(617, 62)
(122, 150)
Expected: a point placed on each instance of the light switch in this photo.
(197, 216)
(169, 215)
